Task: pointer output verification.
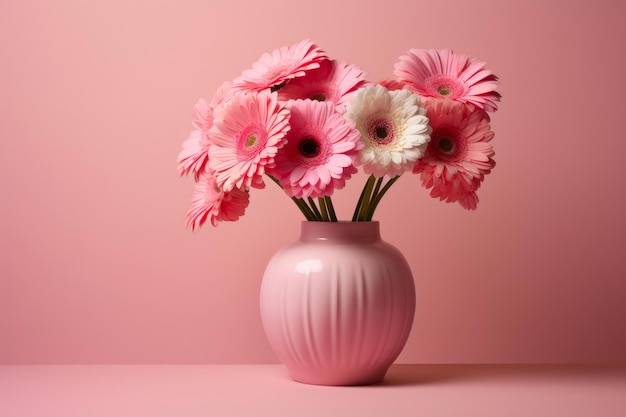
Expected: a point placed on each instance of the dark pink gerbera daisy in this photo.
(459, 154)
(208, 202)
(273, 69)
(333, 81)
(445, 74)
(320, 152)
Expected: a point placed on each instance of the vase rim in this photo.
(342, 222)
(340, 230)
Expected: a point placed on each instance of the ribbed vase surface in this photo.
(338, 305)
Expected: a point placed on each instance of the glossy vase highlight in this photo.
(338, 305)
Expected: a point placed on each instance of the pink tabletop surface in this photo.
(266, 390)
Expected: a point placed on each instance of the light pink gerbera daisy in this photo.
(194, 155)
(393, 127)
(246, 135)
(459, 154)
(320, 151)
(210, 203)
(333, 81)
(273, 69)
(445, 74)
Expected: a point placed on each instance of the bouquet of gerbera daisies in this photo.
(307, 122)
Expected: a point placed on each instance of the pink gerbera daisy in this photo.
(459, 154)
(445, 74)
(273, 69)
(320, 151)
(194, 155)
(246, 135)
(210, 203)
(333, 81)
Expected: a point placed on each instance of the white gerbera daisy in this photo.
(393, 126)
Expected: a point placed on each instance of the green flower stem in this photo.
(317, 213)
(305, 209)
(358, 205)
(323, 209)
(331, 208)
(379, 182)
(308, 213)
(378, 196)
(364, 206)
(369, 199)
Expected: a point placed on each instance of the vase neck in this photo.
(340, 231)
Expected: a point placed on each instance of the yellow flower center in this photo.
(250, 141)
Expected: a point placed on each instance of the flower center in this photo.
(309, 148)
(381, 131)
(445, 86)
(446, 145)
(318, 97)
(251, 141)
(277, 87)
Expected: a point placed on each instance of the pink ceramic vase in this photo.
(338, 305)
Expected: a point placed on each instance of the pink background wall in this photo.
(96, 265)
